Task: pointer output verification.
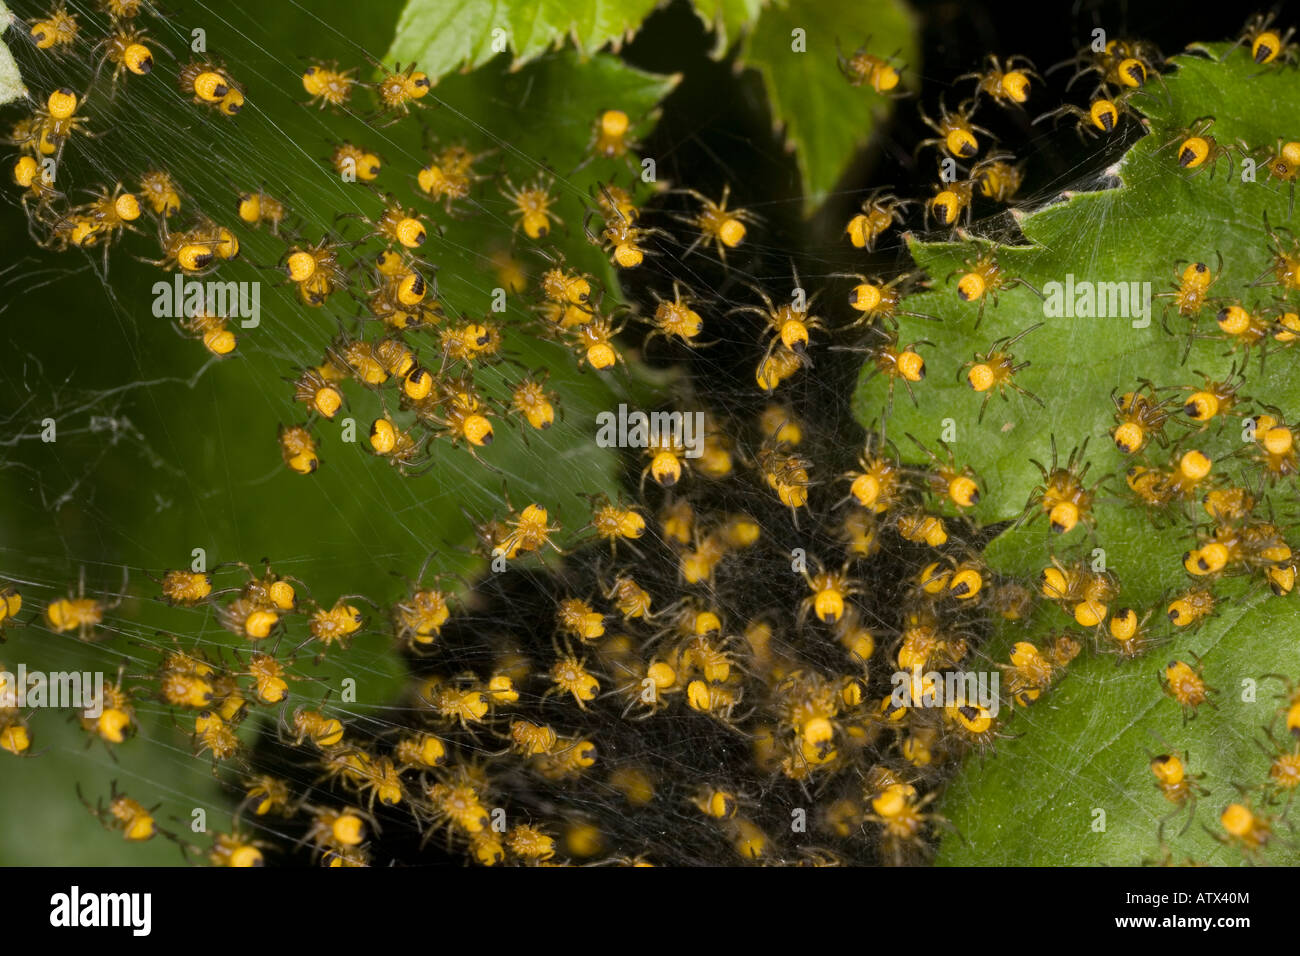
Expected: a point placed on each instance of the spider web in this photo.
(143, 472)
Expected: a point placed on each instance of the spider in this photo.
(1268, 44)
(1123, 65)
(984, 279)
(80, 613)
(1101, 116)
(450, 174)
(719, 701)
(101, 221)
(532, 206)
(828, 592)
(1140, 415)
(790, 324)
(462, 700)
(533, 401)
(196, 251)
(1062, 496)
(611, 136)
(956, 131)
(405, 452)
(399, 89)
(327, 85)
(996, 369)
(1285, 266)
(946, 480)
(593, 341)
(1192, 287)
(315, 270)
(1282, 163)
(786, 474)
(1197, 149)
(132, 818)
(676, 318)
(950, 201)
(569, 675)
(623, 241)
(257, 207)
(11, 602)
(902, 818)
(648, 686)
(875, 299)
(879, 211)
(897, 364)
(724, 227)
(1177, 786)
(58, 119)
(396, 225)
(998, 176)
(867, 69)
(1006, 82)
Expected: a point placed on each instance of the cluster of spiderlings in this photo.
(1202, 457)
(1256, 817)
(383, 266)
(1219, 479)
(648, 632)
(544, 703)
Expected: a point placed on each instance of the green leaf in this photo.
(1087, 743)
(827, 120)
(1087, 747)
(11, 81)
(445, 35)
(728, 19)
